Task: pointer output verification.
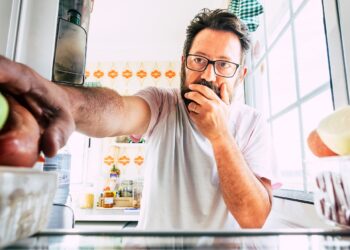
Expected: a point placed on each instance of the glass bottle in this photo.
(108, 199)
(127, 188)
(74, 16)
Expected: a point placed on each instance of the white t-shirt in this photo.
(181, 183)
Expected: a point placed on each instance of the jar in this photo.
(127, 188)
(108, 199)
(138, 186)
(86, 198)
(100, 200)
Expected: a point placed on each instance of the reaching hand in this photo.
(48, 103)
(19, 138)
(208, 111)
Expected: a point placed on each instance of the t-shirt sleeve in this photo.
(155, 99)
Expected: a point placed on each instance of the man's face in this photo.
(213, 45)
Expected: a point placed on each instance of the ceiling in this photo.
(148, 30)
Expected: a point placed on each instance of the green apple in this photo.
(334, 131)
(4, 110)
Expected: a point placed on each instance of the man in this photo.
(207, 164)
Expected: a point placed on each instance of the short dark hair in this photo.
(218, 19)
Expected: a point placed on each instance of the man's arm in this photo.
(247, 196)
(102, 112)
(61, 109)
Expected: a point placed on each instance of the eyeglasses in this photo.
(221, 67)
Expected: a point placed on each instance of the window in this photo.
(290, 81)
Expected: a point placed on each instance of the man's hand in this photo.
(19, 138)
(48, 103)
(208, 111)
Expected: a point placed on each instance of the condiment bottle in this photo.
(108, 199)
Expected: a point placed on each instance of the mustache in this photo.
(210, 85)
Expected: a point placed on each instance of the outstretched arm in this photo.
(102, 112)
(61, 109)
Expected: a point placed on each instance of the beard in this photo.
(185, 89)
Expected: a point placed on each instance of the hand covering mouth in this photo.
(210, 85)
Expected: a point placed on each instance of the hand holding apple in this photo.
(19, 137)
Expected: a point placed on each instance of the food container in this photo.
(124, 202)
(330, 178)
(26, 197)
(108, 199)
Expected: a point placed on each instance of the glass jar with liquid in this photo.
(108, 199)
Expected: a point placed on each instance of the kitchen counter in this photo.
(240, 239)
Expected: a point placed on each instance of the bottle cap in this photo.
(74, 16)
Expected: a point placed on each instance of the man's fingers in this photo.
(56, 135)
(39, 96)
(194, 107)
(196, 97)
(194, 117)
(204, 90)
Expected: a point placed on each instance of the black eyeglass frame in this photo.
(212, 62)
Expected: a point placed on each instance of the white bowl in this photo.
(331, 187)
(26, 197)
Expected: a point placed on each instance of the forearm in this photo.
(97, 112)
(245, 196)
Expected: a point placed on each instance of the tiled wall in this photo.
(129, 77)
